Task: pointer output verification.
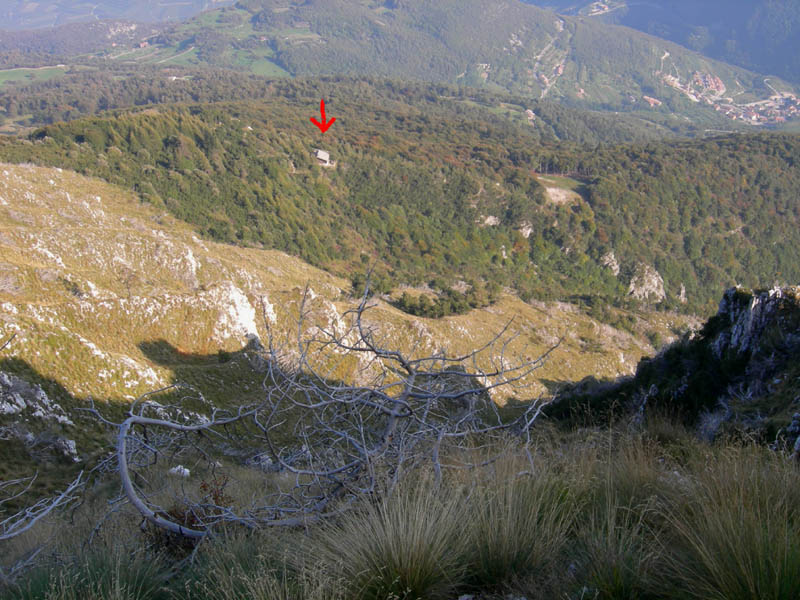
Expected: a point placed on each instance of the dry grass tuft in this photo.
(408, 546)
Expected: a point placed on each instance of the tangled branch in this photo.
(333, 440)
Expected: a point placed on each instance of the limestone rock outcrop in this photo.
(647, 285)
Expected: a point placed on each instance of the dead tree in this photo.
(23, 519)
(331, 441)
(13, 492)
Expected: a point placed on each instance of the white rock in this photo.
(237, 316)
(647, 284)
(610, 260)
(179, 471)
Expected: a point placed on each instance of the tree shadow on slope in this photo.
(224, 377)
(37, 422)
(40, 416)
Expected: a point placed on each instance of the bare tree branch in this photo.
(332, 440)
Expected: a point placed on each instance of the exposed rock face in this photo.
(646, 284)
(33, 419)
(18, 396)
(746, 317)
(742, 370)
(609, 260)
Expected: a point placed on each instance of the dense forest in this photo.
(428, 188)
(82, 93)
(60, 44)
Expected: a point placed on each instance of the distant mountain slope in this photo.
(506, 44)
(761, 35)
(26, 14)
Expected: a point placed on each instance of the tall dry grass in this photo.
(409, 545)
(737, 537)
(596, 514)
(518, 524)
(101, 574)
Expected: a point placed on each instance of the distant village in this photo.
(600, 8)
(709, 89)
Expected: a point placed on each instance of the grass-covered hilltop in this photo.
(523, 323)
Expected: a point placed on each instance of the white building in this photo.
(323, 157)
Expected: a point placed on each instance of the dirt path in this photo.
(32, 68)
(174, 57)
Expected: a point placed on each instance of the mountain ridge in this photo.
(513, 47)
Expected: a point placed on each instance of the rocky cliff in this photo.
(739, 373)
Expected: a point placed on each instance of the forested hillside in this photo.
(61, 44)
(707, 213)
(88, 92)
(507, 46)
(444, 190)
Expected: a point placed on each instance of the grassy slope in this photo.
(16, 76)
(111, 299)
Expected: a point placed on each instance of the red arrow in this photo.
(323, 127)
